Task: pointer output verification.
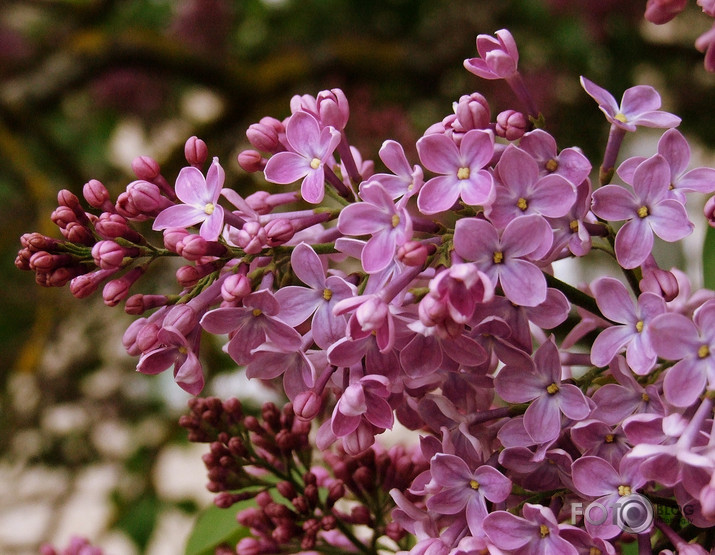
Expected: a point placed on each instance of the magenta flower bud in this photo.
(147, 337)
(110, 255)
(182, 317)
(333, 108)
(115, 291)
(38, 242)
(70, 200)
(413, 253)
(251, 161)
(111, 226)
(194, 247)
(22, 260)
(139, 303)
(279, 231)
(235, 287)
(129, 339)
(62, 216)
(75, 232)
(173, 236)
(662, 11)
(432, 311)
(97, 195)
(46, 262)
(511, 125)
(145, 168)
(660, 282)
(59, 277)
(86, 284)
(709, 210)
(251, 237)
(264, 137)
(307, 404)
(147, 198)
(249, 546)
(196, 151)
(187, 276)
(473, 112)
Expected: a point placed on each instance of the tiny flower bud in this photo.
(251, 237)
(709, 210)
(145, 167)
(307, 405)
(196, 151)
(412, 253)
(194, 247)
(70, 200)
(286, 489)
(279, 231)
(97, 195)
(333, 109)
(86, 284)
(264, 137)
(62, 216)
(109, 255)
(182, 317)
(248, 546)
(251, 161)
(139, 304)
(473, 112)
(235, 287)
(111, 226)
(511, 125)
(360, 514)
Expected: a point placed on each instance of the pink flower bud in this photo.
(709, 210)
(413, 253)
(59, 277)
(194, 247)
(147, 337)
(188, 275)
(182, 317)
(473, 112)
(110, 255)
(75, 232)
(97, 195)
(46, 262)
(146, 198)
(263, 202)
(372, 313)
(62, 216)
(333, 108)
(279, 231)
(660, 282)
(196, 151)
(662, 11)
(38, 242)
(173, 236)
(251, 161)
(235, 287)
(264, 137)
(115, 291)
(251, 237)
(86, 284)
(22, 260)
(70, 200)
(138, 304)
(307, 404)
(511, 125)
(111, 226)
(249, 546)
(129, 339)
(145, 167)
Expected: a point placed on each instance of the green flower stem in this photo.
(575, 296)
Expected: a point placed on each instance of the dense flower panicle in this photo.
(429, 302)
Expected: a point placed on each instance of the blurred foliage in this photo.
(86, 85)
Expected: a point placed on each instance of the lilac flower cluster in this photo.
(425, 295)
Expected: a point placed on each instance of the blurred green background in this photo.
(87, 85)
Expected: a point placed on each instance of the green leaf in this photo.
(709, 259)
(214, 527)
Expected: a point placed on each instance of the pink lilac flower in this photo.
(646, 208)
(662, 11)
(498, 57)
(692, 344)
(251, 325)
(389, 225)
(319, 298)
(675, 149)
(462, 168)
(596, 438)
(706, 43)
(594, 477)
(639, 106)
(537, 531)
(501, 256)
(312, 147)
(177, 350)
(541, 385)
(459, 488)
(634, 332)
(569, 163)
(404, 181)
(520, 190)
(200, 197)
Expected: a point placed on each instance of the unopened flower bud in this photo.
(333, 109)
(62, 216)
(360, 514)
(336, 491)
(251, 237)
(307, 405)
(279, 231)
(194, 247)
(59, 277)
(139, 303)
(97, 196)
(264, 137)
(251, 161)
(662, 11)
(109, 255)
(235, 287)
(660, 282)
(196, 151)
(187, 276)
(77, 233)
(412, 253)
(70, 200)
(709, 210)
(511, 125)
(46, 262)
(248, 546)
(111, 226)
(145, 168)
(86, 284)
(473, 112)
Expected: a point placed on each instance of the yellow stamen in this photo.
(645, 397)
(183, 350)
(552, 165)
(643, 212)
(209, 208)
(474, 484)
(327, 294)
(257, 312)
(463, 173)
(639, 326)
(395, 220)
(620, 117)
(498, 257)
(543, 530)
(703, 351)
(609, 438)
(624, 490)
(573, 226)
(594, 551)
(553, 389)
(315, 163)
(521, 204)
